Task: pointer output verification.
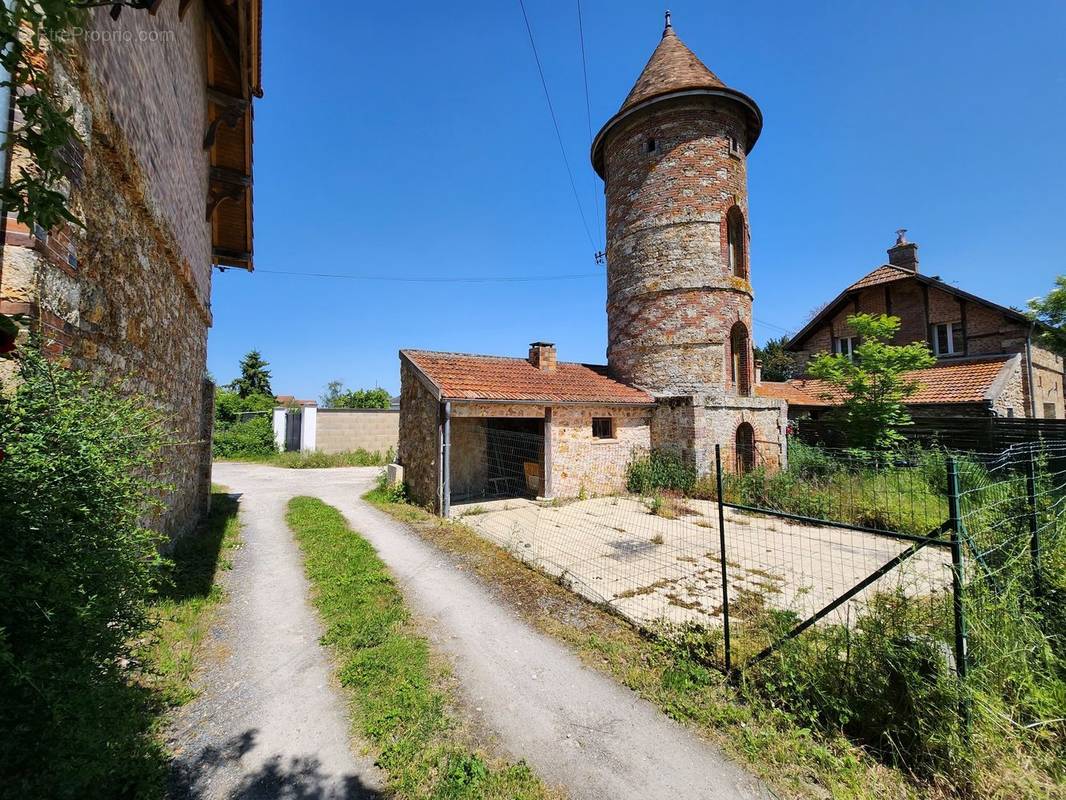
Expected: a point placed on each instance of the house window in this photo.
(845, 346)
(602, 427)
(947, 338)
(735, 242)
(649, 146)
(1049, 411)
(734, 147)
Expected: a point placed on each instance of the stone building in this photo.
(161, 178)
(680, 373)
(988, 359)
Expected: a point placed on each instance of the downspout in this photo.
(7, 122)
(445, 461)
(1029, 369)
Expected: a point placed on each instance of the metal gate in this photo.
(293, 427)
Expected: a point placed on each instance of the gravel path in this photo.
(574, 726)
(268, 722)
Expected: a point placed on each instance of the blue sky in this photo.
(413, 141)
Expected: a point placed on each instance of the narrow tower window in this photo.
(740, 359)
(735, 235)
(649, 146)
(745, 448)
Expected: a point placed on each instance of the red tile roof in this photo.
(947, 383)
(886, 273)
(460, 376)
(671, 68)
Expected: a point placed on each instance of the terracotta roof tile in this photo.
(671, 68)
(473, 377)
(792, 394)
(886, 273)
(943, 384)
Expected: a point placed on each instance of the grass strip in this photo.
(318, 460)
(396, 688)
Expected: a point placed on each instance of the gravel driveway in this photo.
(575, 727)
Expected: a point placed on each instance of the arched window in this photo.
(734, 221)
(740, 359)
(745, 448)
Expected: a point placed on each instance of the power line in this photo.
(555, 122)
(588, 109)
(472, 279)
(772, 325)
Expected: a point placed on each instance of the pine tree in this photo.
(255, 377)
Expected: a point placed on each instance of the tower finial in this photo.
(668, 25)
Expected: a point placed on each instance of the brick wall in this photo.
(126, 297)
(341, 430)
(671, 295)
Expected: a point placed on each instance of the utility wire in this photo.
(555, 122)
(588, 110)
(474, 279)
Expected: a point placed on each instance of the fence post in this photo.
(961, 644)
(721, 545)
(1034, 523)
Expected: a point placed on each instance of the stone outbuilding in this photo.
(680, 373)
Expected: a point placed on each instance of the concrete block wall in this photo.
(344, 429)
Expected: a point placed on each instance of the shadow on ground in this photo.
(193, 778)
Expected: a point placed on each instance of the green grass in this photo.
(795, 756)
(318, 460)
(395, 686)
(185, 609)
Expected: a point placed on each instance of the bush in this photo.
(660, 471)
(77, 571)
(249, 438)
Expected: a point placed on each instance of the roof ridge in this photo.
(490, 356)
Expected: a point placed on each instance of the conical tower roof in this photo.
(671, 68)
(675, 71)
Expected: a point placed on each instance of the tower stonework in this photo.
(679, 298)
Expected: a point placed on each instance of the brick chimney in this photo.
(903, 254)
(542, 356)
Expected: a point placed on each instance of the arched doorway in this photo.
(745, 448)
(740, 359)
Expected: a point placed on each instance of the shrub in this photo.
(661, 470)
(77, 571)
(250, 437)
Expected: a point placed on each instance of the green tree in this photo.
(255, 377)
(1050, 312)
(874, 381)
(778, 364)
(335, 396)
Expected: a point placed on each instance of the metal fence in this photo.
(938, 549)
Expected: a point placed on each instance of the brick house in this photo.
(988, 362)
(161, 179)
(680, 374)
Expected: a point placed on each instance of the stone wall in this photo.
(419, 442)
(126, 297)
(671, 295)
(580, 462)
(341, 430)
(1048, 380)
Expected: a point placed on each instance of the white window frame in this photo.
(850, 352)
(951, 328)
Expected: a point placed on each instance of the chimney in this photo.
(542, 356)
(903, 254)
(758, 372)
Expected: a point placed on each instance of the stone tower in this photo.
(674, 164)
(673, 160)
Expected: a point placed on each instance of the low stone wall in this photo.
(343, 429)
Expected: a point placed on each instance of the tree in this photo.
(255, 377)
(874, 381)
(335, 396)
(1050, 311)
(778, 364)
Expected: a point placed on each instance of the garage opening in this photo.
(496, 458)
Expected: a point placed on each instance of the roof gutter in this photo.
(498, 401)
